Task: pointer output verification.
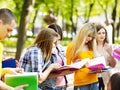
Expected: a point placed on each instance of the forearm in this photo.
(44, 75)
(112, 61)
(3, 86)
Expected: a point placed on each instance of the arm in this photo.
(45, 74)
(3, 86)
(112, 61)
(36, 62)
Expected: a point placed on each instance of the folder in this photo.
(10, 62)
(30, 78)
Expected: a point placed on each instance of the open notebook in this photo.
(92, 64)
(73, 67)
(30, 78)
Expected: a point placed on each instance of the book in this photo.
(10, 62)
(116, 53)
(92, 64)
(96, 63)
(102, 70)
(30, 78)
(73, 67)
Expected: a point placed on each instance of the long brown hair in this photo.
(44, 41)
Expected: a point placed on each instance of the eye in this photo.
(9, 30)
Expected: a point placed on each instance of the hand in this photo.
(21, 87)
(108, 48)
(19, 70)
(12, 70)
(54, 66)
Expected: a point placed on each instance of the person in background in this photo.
(83, 46)
(104, 49)
(39, 58)
(61, 82)
(114, 82)
(7, 23)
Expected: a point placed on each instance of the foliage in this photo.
(117, 41)
(11, 42)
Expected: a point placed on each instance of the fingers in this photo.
(25, 85)
(19, 70)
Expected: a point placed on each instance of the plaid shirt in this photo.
(32, 60)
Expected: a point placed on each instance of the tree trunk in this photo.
(23, 27)
(114, 20)
(33, 23)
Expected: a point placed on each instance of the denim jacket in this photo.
(51, 82)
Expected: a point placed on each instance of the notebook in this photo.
(73, 67)
(30, 78)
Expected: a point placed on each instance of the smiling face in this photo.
(101, 34)
(6, 29)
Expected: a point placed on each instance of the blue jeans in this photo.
(93, 86)
(49, 88)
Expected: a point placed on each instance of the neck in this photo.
(100, 43)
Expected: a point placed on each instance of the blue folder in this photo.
(9, 63)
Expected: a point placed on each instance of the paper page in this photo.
(73, 67)
(97, 63)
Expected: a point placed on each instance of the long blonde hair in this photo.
(79, 40)
(44, 41)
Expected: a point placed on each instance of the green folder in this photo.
(30, 78)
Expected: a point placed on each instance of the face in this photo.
(6, 29)
(89, 38)
(101, 35)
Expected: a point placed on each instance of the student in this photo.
(7, 23)
(83, 46)
(104, 49)
(39, 58)
(114, 82)
(61, 82)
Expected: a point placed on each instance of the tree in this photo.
(23, 26)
